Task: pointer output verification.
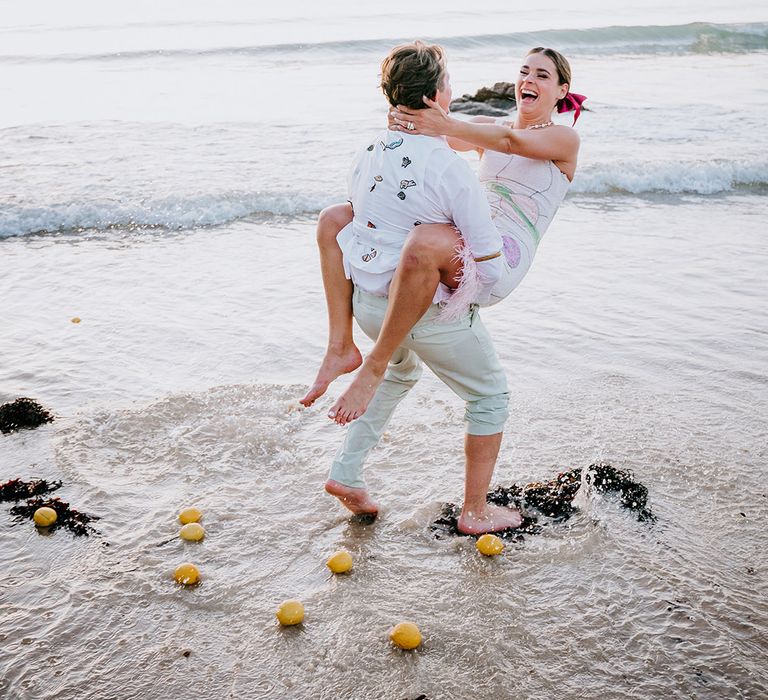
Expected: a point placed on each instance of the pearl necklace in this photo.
(540, 126)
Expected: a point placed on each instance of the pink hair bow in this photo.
(571, 102)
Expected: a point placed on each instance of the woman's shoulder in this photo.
(566, 133)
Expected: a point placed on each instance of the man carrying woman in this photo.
(404, 181)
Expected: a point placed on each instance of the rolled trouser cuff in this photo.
(347, 468)
(488, 415)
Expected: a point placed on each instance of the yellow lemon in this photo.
(194, 532)
(489, 545)
(45, 516)
(405, 635)
(186, 573)
(189, 515)
(290, 612)
(340, 562)
(75, 320)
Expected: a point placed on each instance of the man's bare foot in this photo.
(335, 363)
(356, 500)
(354, 401)
(491, 519)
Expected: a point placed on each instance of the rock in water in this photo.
(554, 499)
(495, 101)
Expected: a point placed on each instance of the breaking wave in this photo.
(695, 37)
(710, 177)
(180, 213)
(172, 213)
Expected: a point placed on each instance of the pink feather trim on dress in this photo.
(468, 290)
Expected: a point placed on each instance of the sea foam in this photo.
(168, 213)
(190, 212)
(677, 177)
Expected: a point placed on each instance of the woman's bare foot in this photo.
(356, 500)
(335, 363)
(491, 519)
(354, 401)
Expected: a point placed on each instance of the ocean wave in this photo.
(180, 213)
(695, 37)
(710, 177)
(171, 213)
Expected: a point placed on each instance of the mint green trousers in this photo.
(460, 353)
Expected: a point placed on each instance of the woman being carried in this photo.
(526, 167)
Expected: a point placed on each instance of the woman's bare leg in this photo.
(342, 355)
(428, 257)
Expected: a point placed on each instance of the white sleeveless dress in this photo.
(524, 194)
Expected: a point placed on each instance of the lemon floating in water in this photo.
(489, 545)
(405, 635)
(45, 516)
(290, 612)
(194, 532)
(186, 573)
(190, 515)
(340, 562)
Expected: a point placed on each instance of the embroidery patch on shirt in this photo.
(401, 195)
(392, 145)
(370, 256)
(405, 184)
(377, 179)
(406, 161)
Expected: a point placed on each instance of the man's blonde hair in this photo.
(411, 71)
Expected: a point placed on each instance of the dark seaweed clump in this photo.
(75, 521)
(23, 413)
(554, 499)
(18, 490)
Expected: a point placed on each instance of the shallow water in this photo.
(620, 352)
(161, 167)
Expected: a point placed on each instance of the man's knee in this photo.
(486, 416)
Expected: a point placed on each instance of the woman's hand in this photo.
(433, 121)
